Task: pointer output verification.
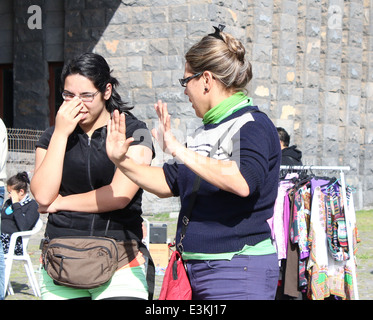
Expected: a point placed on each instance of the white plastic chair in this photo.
(10, 256)
(145, 239)
(146, 226)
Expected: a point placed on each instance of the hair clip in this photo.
(218, 29)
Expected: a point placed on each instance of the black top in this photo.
(19, 216)
(291, 156)
(87, 167)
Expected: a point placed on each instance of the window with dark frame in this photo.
(6, 94)
(55, 97)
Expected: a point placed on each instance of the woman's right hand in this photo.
(68, 116)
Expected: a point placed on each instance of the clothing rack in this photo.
(349, 228)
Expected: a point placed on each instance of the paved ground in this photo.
(22, 290)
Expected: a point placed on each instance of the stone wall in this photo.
(312, 62)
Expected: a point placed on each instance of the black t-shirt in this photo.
(87, 167)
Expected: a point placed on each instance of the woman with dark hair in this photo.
(81, 189)
(20, 211)
(227, 244)
(87, 65)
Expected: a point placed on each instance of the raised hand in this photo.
(163, 133)
(117, 143)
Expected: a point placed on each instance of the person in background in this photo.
(19, 213)
(3, 176)
(291, 156)
(227, 246)
(81, 189)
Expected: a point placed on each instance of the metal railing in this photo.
(23, 140)
(21, 150)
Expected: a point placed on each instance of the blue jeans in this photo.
(2, 261)
(242, 278)
(2, 273)
(2, 195)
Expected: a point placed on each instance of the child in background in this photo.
(20, 211)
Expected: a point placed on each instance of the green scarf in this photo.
(226, 108)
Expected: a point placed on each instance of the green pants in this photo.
(126, 283)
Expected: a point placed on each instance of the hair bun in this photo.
(224, 56)
(23, 176)
(235, 47)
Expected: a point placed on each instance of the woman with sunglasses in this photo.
(77, 184)
(227, 245)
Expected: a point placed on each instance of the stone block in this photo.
(144, 97)
(135, 63)
(161, 79)
(179, 13)
(139, 80)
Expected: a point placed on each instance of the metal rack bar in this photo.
(342, 168)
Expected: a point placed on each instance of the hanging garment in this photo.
(299, 229)
(280, 220)
(336, 225)
(317, 265)
(329, 275)
(291, 288)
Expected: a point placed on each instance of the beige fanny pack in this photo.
(86, 262)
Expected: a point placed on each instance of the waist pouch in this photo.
(86, 262)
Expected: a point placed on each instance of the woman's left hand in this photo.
(116, 142)
(163, 134)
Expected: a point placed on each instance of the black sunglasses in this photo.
(184, 81)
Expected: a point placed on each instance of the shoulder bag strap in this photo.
(188, 213)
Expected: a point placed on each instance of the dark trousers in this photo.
(242, 278)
